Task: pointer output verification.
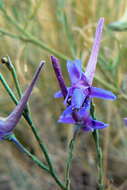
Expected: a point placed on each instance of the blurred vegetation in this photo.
(33, 30)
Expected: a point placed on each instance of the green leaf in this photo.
(118, 26)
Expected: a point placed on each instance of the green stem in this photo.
(96, 137)
(28, 37)
(47, 157)
(23, 149)
(40, 44)
(13, 71)
(34, 130)
(28, 119)
(11, 68)
(61, 56)
(14, 75)
(69, 160)
(35, 159)
(31, 38)
(100, 160)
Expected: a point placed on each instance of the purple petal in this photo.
(101, 93)
(67, 111)
(16, 114)
(4, 130)
(66, 119)
(98, 124)
(75, 70)
(90, 124)
(84, 80)
(69, 94)
(3, 134)
(125, 121)
(84, 112)
(91, 66)
(87, 129)
(58, 94)
(59, 75)
(78, 98)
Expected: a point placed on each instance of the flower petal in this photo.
(58, 94)
(67, 111)
(84, 80)
(75, 70)
(87, 129)
(91, 66)
(84, 111)
(78, 98)
(12, 120)
(58, 72)
(69, 94)
(125, 121)
(101, 93)
(91, 125)
(66, 119)
(98, 124)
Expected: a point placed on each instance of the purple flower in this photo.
(81, 82)
(125, 121)
(82, 119)
(9, 123)
(59, 76)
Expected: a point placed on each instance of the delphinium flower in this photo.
(82, 119)
(79, 94)
(125, 121)
(81, 82)
(7, 124)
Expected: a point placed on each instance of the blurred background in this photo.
(33, 30)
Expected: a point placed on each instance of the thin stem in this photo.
(31, 38)
(28, 37)
(35, 132)
(96, 137)
(35, 159)
(28, 119)
(23, 149)
(61, 56)
(16, 82)
(12, 96)
(69, 160)
(45, 151)
(100, 160)
(13, 71)
(7, 61)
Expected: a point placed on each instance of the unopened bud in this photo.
(6, 60)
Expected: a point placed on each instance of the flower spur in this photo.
(9, 123)
(78, 96)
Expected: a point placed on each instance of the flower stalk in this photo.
(13, 139)
(7, 61)
(28, 118)
(69, 159)
(96, 137)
